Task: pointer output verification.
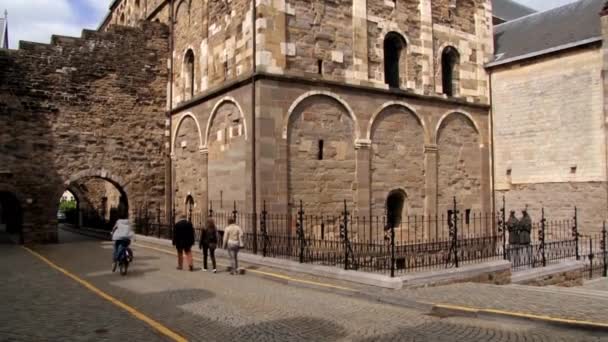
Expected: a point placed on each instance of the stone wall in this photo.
(459, 164)
(550, 140)
(397, 161)
(190, 170)
(321, 176)
(335, 40)
(80, 108)
(227, 144)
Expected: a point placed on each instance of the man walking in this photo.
(183, 240)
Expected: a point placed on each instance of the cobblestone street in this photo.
(40, 303)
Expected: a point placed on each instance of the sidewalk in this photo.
(571, 307)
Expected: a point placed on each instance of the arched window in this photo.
(122, 18)
(449, 64)
(394, 46)
(189, 74)
(137, 3)
(394, 208)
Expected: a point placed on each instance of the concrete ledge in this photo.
(288, 265)
(493, 272)
(568, 273)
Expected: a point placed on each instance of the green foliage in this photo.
(65, 206)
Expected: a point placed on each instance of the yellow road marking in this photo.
(270, 274)
(154, 324)
(523, 315)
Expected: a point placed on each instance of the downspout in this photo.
(169, 169)
(493, 175)
(253, 128)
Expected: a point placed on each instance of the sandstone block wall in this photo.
(81, 108)
(335, 40)
(549, 136)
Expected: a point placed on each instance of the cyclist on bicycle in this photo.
(122, 234)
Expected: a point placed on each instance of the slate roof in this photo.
(540, 33)
(507, 10)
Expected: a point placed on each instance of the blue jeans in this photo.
(119, 245)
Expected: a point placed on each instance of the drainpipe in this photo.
(492, 181)
(253, 128)
(170, 205)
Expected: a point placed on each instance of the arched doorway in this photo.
(98, 203)
(11, 218)
(394, 208)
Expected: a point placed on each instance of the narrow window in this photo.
(320, 152)
(393, 48)
(320, 66)
(189, 73)
(449, 61)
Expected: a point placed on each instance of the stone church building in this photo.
(184, 104)
(328, 101)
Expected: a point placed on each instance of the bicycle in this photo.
(125, 257)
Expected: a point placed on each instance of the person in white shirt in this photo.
(122, 234)
(233, 241)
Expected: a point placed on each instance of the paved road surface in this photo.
(39, 302)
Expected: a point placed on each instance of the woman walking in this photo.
(183, 240)
(208, 243)
(233, 241)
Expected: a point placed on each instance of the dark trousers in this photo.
(211, 251)
(118, 247)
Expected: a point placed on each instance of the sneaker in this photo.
(113, 267)
(204, 270)
(214, 270)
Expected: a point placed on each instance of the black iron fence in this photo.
(411, 244)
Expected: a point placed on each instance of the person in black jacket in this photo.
(183, 240)
(208, 243)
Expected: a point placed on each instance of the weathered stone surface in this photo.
(398, 160)
(81, 109)
(459, 164)
(322, 182)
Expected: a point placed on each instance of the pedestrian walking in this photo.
(208, 243)
(233, 241)
(183, 240)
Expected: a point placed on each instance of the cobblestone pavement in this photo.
(219, 307)
(530, 300)
(600, 284)
(38, 303)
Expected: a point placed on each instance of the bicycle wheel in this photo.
(123, 268)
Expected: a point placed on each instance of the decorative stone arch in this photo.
(187, 3)
(218, 104)
(118, 182)
(456, 112)
(387, 105)
(321, 93)
(179, 124)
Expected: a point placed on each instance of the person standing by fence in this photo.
(183, 240)
(233, 241)
(208, 243)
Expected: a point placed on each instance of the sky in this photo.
(37, 20)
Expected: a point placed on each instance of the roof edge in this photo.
(545, 51)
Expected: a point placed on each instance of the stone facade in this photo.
(327, 129)
(81, 109)
(553, 156)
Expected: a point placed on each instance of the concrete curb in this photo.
(463, 311)
(522, 277)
